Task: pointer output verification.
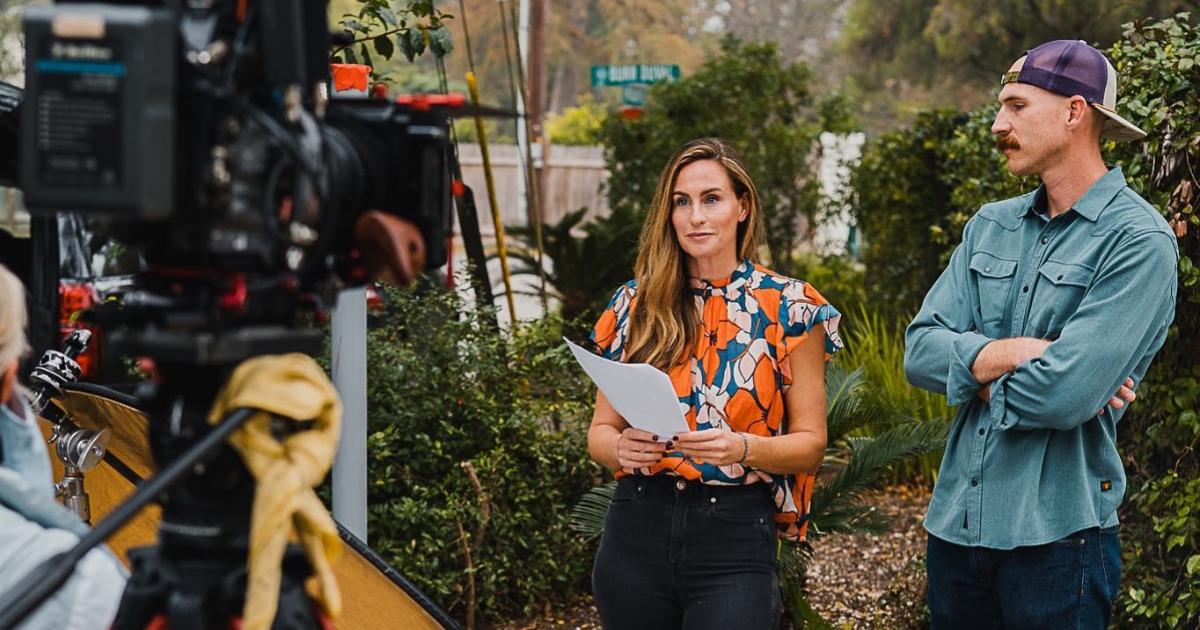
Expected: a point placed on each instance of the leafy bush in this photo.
(763, 106)
(1160, 65)
(579, 125)
(477, 448)
(913, 192)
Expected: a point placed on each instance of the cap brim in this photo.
(1117, 128)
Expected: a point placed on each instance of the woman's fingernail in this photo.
(670, 445)
(674, 437)
(655, 438)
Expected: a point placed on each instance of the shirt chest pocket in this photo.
(1060, 288)
(993, 278)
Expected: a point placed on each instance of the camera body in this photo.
(201, 133)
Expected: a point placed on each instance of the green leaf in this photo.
(366, 55)
(406, 45)
(1193, 564)
(416, 38)
(441, 42)
(384, 46)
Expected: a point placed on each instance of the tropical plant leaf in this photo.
(870, 457)
(587, 517)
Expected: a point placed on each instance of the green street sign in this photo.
(633, 94)
(625, 74)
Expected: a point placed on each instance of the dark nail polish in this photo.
(670, 445)
(674, 437)
(655, 438)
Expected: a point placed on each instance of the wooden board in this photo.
(369, 599)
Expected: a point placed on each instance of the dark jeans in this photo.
(682, 554)
(1069, 583)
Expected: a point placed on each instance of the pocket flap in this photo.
(990, 266)
(1066, 273)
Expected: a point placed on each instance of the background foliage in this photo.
(763, 106)
(445, 389)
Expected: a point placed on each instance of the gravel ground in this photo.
(875, 581)
(854, 581)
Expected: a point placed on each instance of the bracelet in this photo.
(745, 448)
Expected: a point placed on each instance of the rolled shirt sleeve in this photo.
(942, 341)
(1120, 324)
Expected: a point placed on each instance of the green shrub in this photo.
(763, 106)
(579, 125)
(913, 192)
(446, 393)
(1160, 72)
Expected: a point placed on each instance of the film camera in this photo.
(201, 133)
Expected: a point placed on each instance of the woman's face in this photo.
(706, 212)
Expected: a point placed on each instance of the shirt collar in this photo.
(740, 275)
(1091, 204)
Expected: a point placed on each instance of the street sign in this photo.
(625, 74)
(633, 94)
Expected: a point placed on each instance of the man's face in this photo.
(1031, 127)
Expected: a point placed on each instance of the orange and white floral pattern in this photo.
(738, 373)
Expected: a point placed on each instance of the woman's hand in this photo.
(712, 446)
(638, 449)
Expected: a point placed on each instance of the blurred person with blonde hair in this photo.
(33, 526)
(690, 535)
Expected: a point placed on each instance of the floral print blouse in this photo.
(736, 378)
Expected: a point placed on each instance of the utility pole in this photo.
(537, 94)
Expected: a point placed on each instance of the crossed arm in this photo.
(1002, 356)
(1033, 383)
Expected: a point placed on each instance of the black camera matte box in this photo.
(98, 122)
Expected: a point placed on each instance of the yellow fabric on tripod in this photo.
(294, 387)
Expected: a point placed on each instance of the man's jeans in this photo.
(1069, 583)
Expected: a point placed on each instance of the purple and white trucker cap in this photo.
(1071, 67)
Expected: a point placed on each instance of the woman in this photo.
(689, 540)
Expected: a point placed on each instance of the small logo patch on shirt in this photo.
(1105, 485)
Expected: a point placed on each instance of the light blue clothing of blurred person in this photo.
(1045, 320)
(33, 526)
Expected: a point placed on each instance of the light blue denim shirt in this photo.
(1037, 462)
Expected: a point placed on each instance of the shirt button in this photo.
(1045, 239)
(987, 268)
(680, 485)
(974, 482)
(982, 431)
(1025, 289)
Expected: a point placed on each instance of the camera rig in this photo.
(201, 133)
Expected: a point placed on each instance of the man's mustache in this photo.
(1006, 141)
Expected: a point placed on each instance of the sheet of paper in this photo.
(641, 393)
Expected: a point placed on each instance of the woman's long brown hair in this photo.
(665, 322)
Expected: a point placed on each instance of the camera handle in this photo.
(50, 575)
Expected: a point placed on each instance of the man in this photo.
(1038, 330)
(33, 527)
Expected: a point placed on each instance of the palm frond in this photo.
(870, 458)
(858, 518)
(849, 406)
(587, 517)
